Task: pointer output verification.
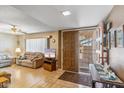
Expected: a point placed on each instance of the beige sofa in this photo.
(31, 59)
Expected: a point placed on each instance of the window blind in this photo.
(36, 45)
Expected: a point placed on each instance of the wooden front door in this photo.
(70, 50)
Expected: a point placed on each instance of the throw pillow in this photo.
(22, 57)
(7, 57)
(3, 57)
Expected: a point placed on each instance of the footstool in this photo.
(3, 80)
(6, 74)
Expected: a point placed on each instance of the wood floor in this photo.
(23, 77)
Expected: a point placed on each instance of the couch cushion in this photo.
(29, 56)
(22, 57)
(32, 55)
(4, 57)
(5, 61)
(25, 61)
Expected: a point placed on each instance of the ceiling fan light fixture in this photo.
(14, 29)
(66, 13)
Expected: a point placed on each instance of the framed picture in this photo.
(112, 38)
(109, 40)
(115, 38)
(120, 37)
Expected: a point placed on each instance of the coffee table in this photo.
(3, 80)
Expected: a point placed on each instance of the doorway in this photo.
(86, 50)
(78, 50)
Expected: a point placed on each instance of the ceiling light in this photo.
(66, 13)
(13, 28)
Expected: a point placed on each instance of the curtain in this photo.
(36, 45)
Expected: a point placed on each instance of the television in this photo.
(50, 53)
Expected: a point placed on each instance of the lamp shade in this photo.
(18, 50)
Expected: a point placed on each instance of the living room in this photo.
(42, 51)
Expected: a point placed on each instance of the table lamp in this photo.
(18, 51)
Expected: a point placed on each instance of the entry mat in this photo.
(83, 79)
(84, 70)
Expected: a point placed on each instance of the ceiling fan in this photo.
(15, 29)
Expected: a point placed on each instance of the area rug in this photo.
(85, 70)
(82, 79)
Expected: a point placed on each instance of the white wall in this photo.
(8, 43)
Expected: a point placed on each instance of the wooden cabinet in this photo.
(49, 64)
(13, 60)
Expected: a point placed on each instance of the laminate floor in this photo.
(24, 77)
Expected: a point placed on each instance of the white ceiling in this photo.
(42, 18)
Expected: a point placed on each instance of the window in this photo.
(86, 42)
(36, 45)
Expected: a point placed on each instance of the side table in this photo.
(49, 64)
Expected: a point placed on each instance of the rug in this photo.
(82, 79)
(85, 70)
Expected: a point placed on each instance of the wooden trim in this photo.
(81, 28)
(59, 49)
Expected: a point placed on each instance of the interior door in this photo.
(70, 50)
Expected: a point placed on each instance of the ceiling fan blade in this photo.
(6, 23)
(13, 27)
(22, 31)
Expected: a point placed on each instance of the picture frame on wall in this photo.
(112, 38)
(109, 40)
(109, 37)
(120, 37)
(115, 38)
